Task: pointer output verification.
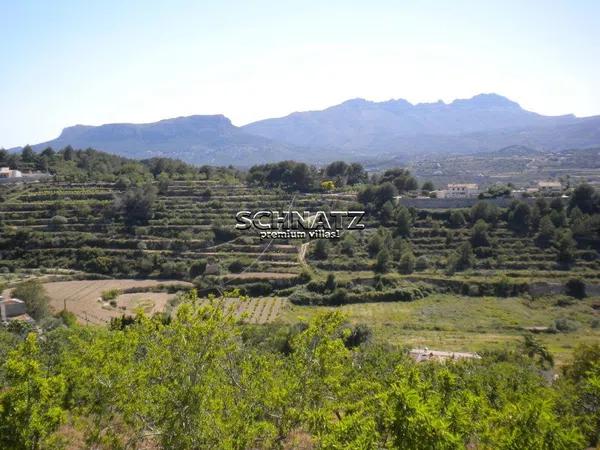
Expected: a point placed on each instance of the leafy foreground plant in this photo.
(197, 381)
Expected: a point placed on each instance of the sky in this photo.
(71, 62)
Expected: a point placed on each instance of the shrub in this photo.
(407, 263)
(422, 263)
(383, 261)
(575, 288)
(35, 298)
(566, 325)
(358, 335)
(197, 268)
(110, 294)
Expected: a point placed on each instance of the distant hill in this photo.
(357, 129)
(195, 139)
(485, 122)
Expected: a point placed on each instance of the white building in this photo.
(461, 190)
(549, 187)
(5, 172)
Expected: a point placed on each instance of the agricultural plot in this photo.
(84, 298)
(257, 310)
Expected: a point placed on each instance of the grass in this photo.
(457, 323)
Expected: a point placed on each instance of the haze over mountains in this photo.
(356, 129)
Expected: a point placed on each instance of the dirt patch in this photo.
(83, 298)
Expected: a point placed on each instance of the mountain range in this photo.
(357, 129)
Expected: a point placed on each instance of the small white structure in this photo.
(461, 190)
(13, 309)
(5, 172)
(549, 187)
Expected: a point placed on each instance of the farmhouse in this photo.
(424, 354)
(460, 190)
(6, 172)
(13, 309)
(549, 187)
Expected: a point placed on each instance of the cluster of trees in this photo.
(86, 165)
(203, 380)
(297, 176)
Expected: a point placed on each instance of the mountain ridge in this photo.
(356, 129)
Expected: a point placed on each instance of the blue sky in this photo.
(72, 62)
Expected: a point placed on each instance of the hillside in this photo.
(195, 139)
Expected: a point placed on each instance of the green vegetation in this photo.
(332, 370)
(202, 380)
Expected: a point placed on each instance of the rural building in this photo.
(13, 309)
(5, 172)
(424, 354)
(549, 187)
(460, 190)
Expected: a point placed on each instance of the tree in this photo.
(519, 217)
(330, 283)
(422, 263)
(383, 261)
(547, 232)
(457, 219)
(348, 244)
(407, 263)
(163, 181)
(356, 174)
(575, 288)
(28, 155)
(386, 192)
(387, 212)
(585, 198)
(374, 245)
(136, 205)
(427, 187)
(460, 260)
(403, 222)
(32, 408)
(34, 295)
(479, 235)
(566, 247)
(321, 250)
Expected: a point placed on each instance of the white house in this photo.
(461, 190)
(549, 187)
(5, 172)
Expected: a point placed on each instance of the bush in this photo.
(236, 266)
(197, 268)
(110, 294)
(360, 334)
(565, 325)
(575, 288)
(35, 298)
(422, 263)
(407, 263)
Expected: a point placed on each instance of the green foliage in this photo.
(382, 263)
(34, 295)
(457, 219)
(407, 263)
(479, 234)
(321, 249)
(460, 260)
(111, 294)
(403, 222)
(575, 288)
(136, 204)
(519, 217)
